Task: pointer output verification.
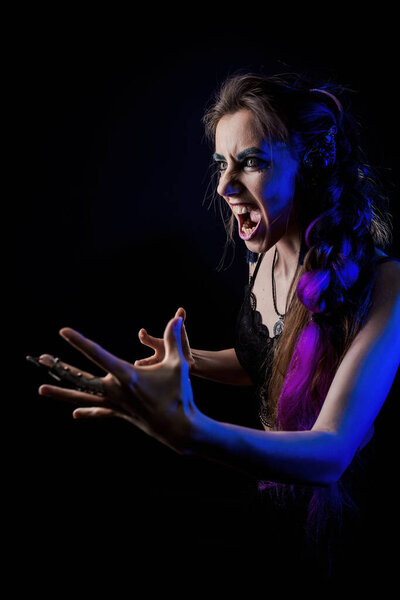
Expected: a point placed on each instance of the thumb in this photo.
(172, 339)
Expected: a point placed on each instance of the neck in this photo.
(288, 249)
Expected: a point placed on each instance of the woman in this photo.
(320, 310)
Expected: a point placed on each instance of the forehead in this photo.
(237, 131)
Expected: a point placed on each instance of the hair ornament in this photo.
(322, 153)
(332, 96)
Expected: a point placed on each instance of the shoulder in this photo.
(388, 274)
(379, 252)
(383, 258)
(384, 315)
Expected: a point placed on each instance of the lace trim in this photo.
(255, 349)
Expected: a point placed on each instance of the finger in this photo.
(71, 375)
(48, 361)
(185, 339)
(172, 339)
(94, 412)
(180, 313)
(95, 353)
(68, 395)
(143, 362)
(148, 339)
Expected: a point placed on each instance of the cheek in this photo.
(278, 192)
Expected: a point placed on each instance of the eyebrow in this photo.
(241, 155)
(248, 151)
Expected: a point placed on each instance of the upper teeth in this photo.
(240, 210)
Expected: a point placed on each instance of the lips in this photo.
(249, 219)
(248, 236)
(247, 208)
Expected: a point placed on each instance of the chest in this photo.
(263, 296)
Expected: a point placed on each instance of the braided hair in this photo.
(343, 216)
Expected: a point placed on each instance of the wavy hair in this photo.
(343, 215)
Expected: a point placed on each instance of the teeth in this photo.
(248, 230)
(241, 210)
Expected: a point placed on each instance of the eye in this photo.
(221, 165)
(252, 162)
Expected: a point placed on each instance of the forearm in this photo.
(308, 457)
(221, 366)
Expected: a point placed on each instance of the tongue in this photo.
(255, 216)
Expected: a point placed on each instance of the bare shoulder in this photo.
(388, 273)
(368, 368)
(386, 292)
(380, 254)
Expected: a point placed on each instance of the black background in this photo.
(112, 231)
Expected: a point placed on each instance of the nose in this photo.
(228, 185)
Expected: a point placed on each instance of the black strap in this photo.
(379, 260)
(256, 269)
(383, 259)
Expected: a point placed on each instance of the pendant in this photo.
(278, 327)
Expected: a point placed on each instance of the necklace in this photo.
(278, 327)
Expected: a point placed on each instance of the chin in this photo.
(254, 247)
(260, 243)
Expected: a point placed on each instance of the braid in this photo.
(342, 215)
(341, 251)
(341, 222)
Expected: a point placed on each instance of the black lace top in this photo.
(253, 345)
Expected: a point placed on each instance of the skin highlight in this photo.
(155, 394)
(271, 189)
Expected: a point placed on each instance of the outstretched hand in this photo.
(157, 398)
(158, 345)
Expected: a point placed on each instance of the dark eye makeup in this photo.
(250, 162)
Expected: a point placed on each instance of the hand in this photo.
(157, 398)
(157, 344)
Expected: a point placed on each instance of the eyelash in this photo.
(262, 164)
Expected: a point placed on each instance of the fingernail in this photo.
(65, 332)
(68, 332)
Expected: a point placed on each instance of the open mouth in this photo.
(249, 218)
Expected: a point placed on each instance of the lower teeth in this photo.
(247, 230)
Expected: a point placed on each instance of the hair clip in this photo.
(322, 153)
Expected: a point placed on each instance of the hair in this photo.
(343, 215)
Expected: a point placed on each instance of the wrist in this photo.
(203, 363)
(200, 426)
(192, 366)
(195, 363)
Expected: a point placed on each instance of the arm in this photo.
(159, 400)
(357, 393)
(308, 457)
(221, 366)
